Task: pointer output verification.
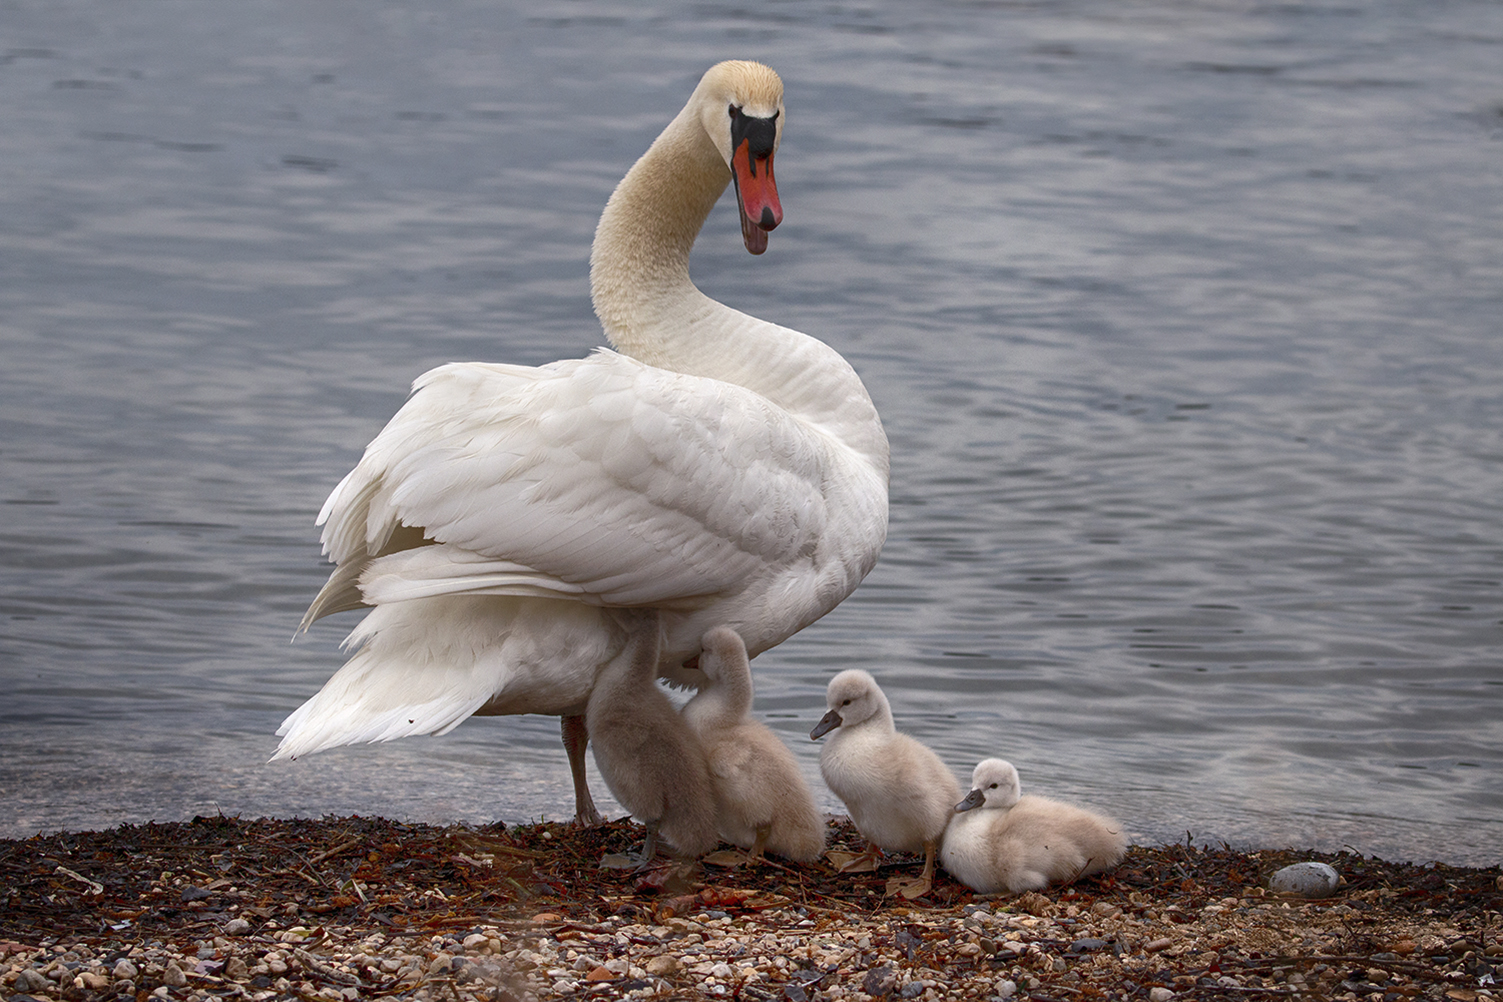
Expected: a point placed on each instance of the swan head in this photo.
(853, 697)
(740, 107)
(994, 785)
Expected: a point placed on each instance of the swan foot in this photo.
(576, 737)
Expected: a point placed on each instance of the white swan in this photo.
(899, 793)
(1002, 841)
(718, 469)
(649, 757)
(762, 799)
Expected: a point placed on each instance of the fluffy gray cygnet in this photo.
(764, 803)
(651, 760)
(1003, 841)
(900, 795)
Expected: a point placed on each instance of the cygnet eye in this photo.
(992, 787)
(846, 703)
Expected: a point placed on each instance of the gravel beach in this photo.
(350, 908)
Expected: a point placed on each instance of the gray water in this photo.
(1184, 320)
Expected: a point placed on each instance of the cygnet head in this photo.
(724, 654)
(994, 785)
(853, 697)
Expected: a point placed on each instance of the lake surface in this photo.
(1185, 321)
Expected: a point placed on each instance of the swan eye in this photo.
(992, 787)
(846, 703)
(734, 111)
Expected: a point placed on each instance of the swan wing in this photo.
(599, 479)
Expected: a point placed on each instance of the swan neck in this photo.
(639, 263)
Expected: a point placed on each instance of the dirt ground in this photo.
(351, 908)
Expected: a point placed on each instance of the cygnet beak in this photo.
(972, 800)
(826, 724)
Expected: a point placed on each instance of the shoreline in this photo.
(353, 907)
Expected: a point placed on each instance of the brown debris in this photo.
(348, 908)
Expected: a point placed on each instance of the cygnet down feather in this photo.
(762, 799)
(652, 762)
(1003, 841)
(899, 794)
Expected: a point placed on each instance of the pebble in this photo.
(32, 980)
(1089, 945)
(125, 970)
(1305, 880)
(236, 927)
(1159, 995)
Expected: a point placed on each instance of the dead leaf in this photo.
(725, 857)
(851, 862)
(617, 861)
(909, 887)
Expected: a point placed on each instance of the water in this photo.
(1183, 319)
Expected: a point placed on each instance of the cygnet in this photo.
(900, 795)
(1002, 841)
(652, 762)
(762, 798)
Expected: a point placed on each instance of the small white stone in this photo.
(125, 970)
(236, 927)
(1006, 989)
(1159, 995)
(1306, 880)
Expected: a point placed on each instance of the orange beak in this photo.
(756, 196)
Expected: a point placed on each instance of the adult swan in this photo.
(716, 468)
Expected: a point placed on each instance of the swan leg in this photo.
(575, 739)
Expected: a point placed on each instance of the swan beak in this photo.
(756, 195)
(826, 724)
(972, 800)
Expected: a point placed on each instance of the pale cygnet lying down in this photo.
(899, 793)
(1002, 841)
(652, 762)
(762, 799)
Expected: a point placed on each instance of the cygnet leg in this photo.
(931, 848)
(576, 737)
(649, 845)
(759, 847)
